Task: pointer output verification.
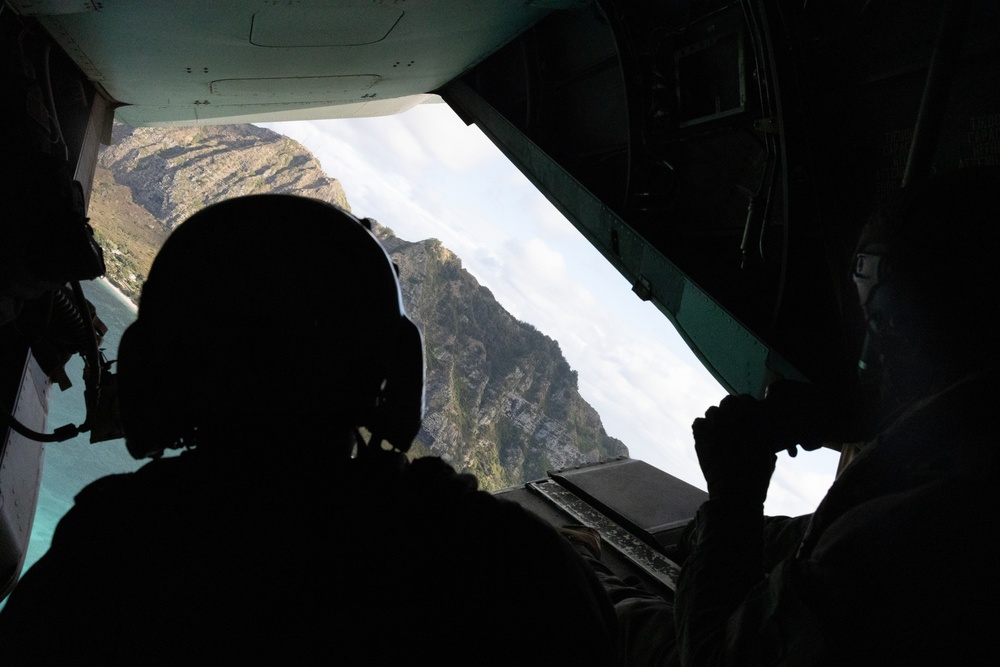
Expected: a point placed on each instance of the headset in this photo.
(265, 312)
(927, 279)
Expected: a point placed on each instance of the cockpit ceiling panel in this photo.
(295, 88)
(322, 26)
(169, 60)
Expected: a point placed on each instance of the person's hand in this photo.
(734, 449)
(811, 417)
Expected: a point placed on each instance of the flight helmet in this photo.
(928, 279)
(265, 315)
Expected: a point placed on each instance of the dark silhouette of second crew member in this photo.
(270, 330)
(898, 564)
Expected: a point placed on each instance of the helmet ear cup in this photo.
(897, 311)
(399, 409)
(145, 402)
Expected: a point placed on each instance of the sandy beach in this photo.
(118, 293)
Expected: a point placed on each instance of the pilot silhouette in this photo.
(898, 564)
(270, 333)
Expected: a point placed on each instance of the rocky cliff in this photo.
(502, 401)
(151, 179)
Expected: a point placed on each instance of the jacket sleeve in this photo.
(731, 612)
(726, 562)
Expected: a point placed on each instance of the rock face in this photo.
(174, 172)
(502, 402)
(153, 178)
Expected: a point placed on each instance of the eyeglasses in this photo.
(866, 274)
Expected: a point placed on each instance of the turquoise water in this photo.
(71, 465)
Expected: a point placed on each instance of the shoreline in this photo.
(120, 294)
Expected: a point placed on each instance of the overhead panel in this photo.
(296, 89)
(710, 76)
(297, 26)
(203, 61)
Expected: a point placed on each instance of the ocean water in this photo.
(69, 466)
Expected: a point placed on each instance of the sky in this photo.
(425, 174)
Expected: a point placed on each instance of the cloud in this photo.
(402, 143)
(455, 145)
